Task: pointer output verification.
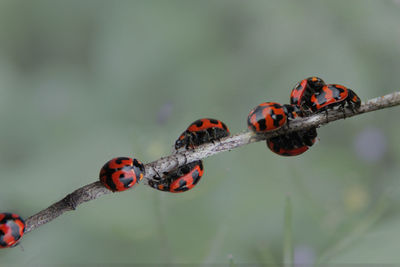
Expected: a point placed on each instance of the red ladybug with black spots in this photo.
(270, 116)
(294, 143)
(12, 228)
(121, 173)
(303, 90)
(333, 95)
(200, 132)
(266, 117)
(179, 180)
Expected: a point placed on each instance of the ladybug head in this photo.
(292, 111)
(315, 83)
(182, 141)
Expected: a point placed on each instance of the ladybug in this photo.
(270, 116)
(121, 173)
(179, 180)
(333, 95)
(303, 90)
(266, 117)
(294, 143)
(202, 131)
(12, 228)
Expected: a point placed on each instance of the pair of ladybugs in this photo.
(308, 96)
(122, 173)
(187, 176)
(314, 95)
(270, 116)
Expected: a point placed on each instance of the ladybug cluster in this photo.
(309, 96)
(12, 228)
(314, 95)
(122, 173)
(187, 176)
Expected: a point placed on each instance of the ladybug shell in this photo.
(202, 131)
(330, 95)
(294, 143)
(180, 180)
(12, 228)
(121, 173)
(297, 93)
(266, 117)
(286, 152)
(205, 124)
(189, 176)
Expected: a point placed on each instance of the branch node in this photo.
(70, 202)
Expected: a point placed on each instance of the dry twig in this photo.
(165, 164)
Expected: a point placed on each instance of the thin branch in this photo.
(165, 164)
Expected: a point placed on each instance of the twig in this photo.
(165, 164)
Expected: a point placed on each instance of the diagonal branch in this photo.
(165, 164)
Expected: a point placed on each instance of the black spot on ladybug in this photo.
(262, 124)
(198, 123)
(276, 118)
(2, 242)
(119, 160)
(110, 182)
(213, 121)
(276, 106)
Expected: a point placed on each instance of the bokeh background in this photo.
(84, 81)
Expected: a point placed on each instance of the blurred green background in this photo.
(84, 81)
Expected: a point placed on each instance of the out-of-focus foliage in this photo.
(84, 81)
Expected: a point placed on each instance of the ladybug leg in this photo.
(157, 177)
(352, 105)
(177, 161)
(212, 140)
(189, 141)
(198, 138)
(216, 136)
(343, 110)
(211, 134)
